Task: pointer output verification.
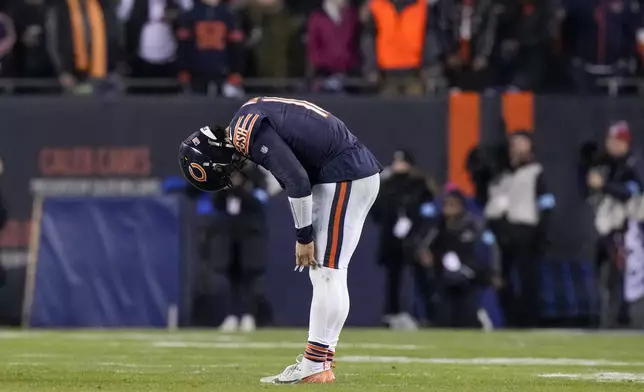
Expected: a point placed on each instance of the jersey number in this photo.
(305, 104)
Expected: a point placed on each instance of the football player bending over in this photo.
(331, 180)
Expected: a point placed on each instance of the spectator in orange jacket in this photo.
(400, 42)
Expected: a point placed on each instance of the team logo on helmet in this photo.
(197, 172)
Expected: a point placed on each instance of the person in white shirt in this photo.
(151, 44)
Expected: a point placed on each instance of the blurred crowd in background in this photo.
(407, 47)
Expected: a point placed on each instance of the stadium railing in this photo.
(614, 85)
(11, 85)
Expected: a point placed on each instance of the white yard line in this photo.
(139, 365)
(122, 365)
(606, 376)
(491, 361)
(274, 345)
(101, 335)
(595, 332)
(12, 335)
(380, 346)
(41, 355)
(249, 345)
(215, 337)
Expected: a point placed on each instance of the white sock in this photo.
(313, 366)
(329, 311)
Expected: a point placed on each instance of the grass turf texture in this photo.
(368, 360)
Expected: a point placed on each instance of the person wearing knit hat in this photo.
(453, 249)
(618, 139)
(618, 146)
(404, 156)
(454, 203)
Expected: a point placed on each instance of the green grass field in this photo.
(368, 360)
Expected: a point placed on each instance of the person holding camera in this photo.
(614, 190)
(403, 209)
(465, 259)
(518, 211)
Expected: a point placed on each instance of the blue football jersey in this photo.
(300, 143)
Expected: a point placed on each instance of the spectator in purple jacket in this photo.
(333, 43)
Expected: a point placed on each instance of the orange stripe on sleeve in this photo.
(337, 218)
(239, 121)
(246, 119)
(463, 135)
(250, 131)
(518, 111)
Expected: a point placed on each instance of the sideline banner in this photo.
(106, 262)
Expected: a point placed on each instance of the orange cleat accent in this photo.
(325, 377)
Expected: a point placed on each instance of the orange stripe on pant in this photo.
(337, 221)
(518, 111)
(463, 135)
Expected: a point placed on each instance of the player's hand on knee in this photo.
(305, 256)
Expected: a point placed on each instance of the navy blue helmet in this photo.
(207, 159)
